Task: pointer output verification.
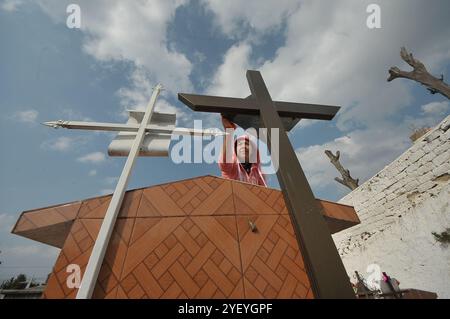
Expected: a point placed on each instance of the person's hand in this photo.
(227, 123)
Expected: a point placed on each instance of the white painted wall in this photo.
(399, 208)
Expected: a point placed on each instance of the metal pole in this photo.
(101, 244)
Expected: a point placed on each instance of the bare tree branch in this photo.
(346, 180)
(419, 74)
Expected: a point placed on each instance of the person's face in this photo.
(243, 149)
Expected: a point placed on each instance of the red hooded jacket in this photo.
(235, 170)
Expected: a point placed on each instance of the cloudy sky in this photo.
(308, 51)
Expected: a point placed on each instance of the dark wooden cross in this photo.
(323, 264)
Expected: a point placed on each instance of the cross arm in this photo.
(227, 105)
(130, 127)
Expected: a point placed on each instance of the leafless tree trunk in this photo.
(420, 74)
(346, 180)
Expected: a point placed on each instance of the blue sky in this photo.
(307, 51)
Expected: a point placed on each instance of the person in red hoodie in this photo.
(243, 165)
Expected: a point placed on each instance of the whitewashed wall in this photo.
(399, 208)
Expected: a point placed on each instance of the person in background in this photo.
(389, 285)
(244, 165)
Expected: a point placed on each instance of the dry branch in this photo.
(419, 74)
(346, 180)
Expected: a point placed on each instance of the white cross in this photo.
(144, 127)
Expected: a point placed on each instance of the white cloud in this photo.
(229, 79)
(436, 108)
(33, 259)
(10, 5)
(28, 116)
(92, 172)
(165, 107)
(111, 180)
(94, 158)
(131, 31)
(7, 222)
(138, 95)
(74, 115)
(331, 57)
(432, 114)
(259, 15)
(199, 56)
(363, 152)
(29, 250)
(64, 143)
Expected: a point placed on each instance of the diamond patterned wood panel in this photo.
(199, 196)
(188, 239)
(252, 199)
(49, 225)
(77, 250)
(271, 261)
(270, 201)
(182, 257)
(45, 217)
(96, 207)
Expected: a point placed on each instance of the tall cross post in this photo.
(323, 264)
(101, 243)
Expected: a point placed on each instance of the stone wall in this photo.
(399, 208)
